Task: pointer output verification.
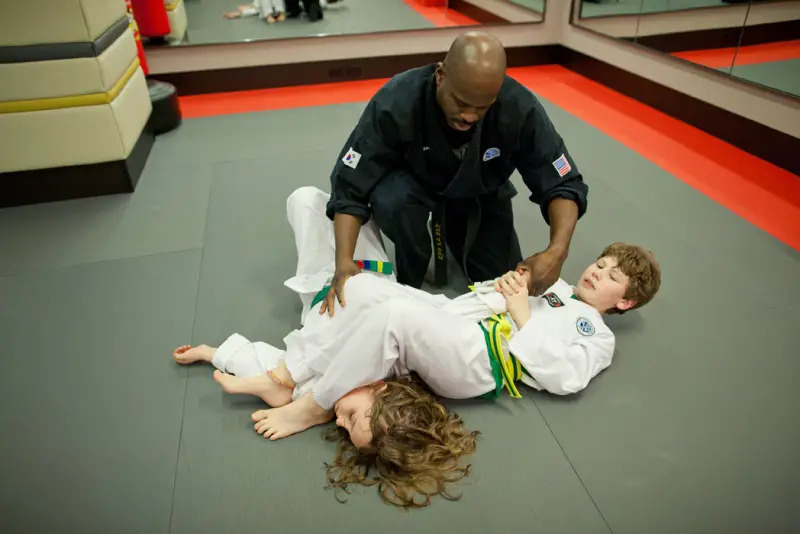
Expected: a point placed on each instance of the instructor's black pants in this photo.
(401, 206)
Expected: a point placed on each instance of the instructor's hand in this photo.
(545, 268)
(343, 272)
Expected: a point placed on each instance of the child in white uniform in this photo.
(557, 342)
(269, 10)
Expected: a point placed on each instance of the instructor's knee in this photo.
(305, 198)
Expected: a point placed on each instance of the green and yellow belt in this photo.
(506, 368)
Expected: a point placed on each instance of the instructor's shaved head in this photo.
(469, 79)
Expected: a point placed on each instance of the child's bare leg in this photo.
(295, 417)
(274, 388)
(185, 355)
(247, 10)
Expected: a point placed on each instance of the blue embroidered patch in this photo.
(585, 326)
(491, 154)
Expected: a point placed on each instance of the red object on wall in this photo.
(151, 16)
(135, 30)
(432, 3)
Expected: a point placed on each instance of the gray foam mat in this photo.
(692, 429)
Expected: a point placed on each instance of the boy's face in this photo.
(603, 285)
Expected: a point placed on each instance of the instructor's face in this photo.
(463, 102)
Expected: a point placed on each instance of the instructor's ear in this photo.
(439, 72)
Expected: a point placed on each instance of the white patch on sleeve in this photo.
(352, 158)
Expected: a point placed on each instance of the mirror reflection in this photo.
(757, 40)
(768, 55)
(602, 8)
(198, 22)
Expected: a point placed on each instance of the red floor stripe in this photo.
(747, 55)
(301, 96)
(440, 16)
(761, 193)
(758, 191)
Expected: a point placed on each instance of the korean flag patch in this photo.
(585, 327)
(491, 153)
(562, 165)
(352, 158)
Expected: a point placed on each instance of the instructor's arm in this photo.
(545, 266)
(557, 186)
(345, 231)
(369, 154)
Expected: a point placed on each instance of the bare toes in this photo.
(259, 415)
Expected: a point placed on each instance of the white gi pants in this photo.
(385, 329)
(265, 8)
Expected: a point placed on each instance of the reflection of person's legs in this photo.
(401, 207)
(293, 8)
(273, 10)
(313, 10)
(245, 10)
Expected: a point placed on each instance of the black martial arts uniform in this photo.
(311, 7)
(402, 160)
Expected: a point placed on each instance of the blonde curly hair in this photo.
(416, 449)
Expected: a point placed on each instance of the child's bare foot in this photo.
(232, 15)
(281, 17)
(187, 354)
(262, 386)
(295, 417)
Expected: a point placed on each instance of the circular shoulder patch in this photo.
(585, 326)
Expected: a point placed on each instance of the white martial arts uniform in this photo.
(265, 8)
(387, 329)
(564, 344)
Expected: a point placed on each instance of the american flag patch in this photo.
(562, 165)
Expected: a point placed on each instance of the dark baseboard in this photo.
(269, 76)
(78, 181)
(476, 13)
(721, 37)
(762, 141)
(770, 33)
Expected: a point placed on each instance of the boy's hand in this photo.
(514, 287)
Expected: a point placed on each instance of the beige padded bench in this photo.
(73, 101)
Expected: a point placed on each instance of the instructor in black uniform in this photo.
(449, 136)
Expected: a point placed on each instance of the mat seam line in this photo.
(186, 383)
(58, 268)
(569, 461)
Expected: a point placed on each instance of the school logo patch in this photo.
(553, 300)
(352, 158)
(491, 153)
(585, 326)
(562, 165)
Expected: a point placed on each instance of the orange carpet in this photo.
(758, 191)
